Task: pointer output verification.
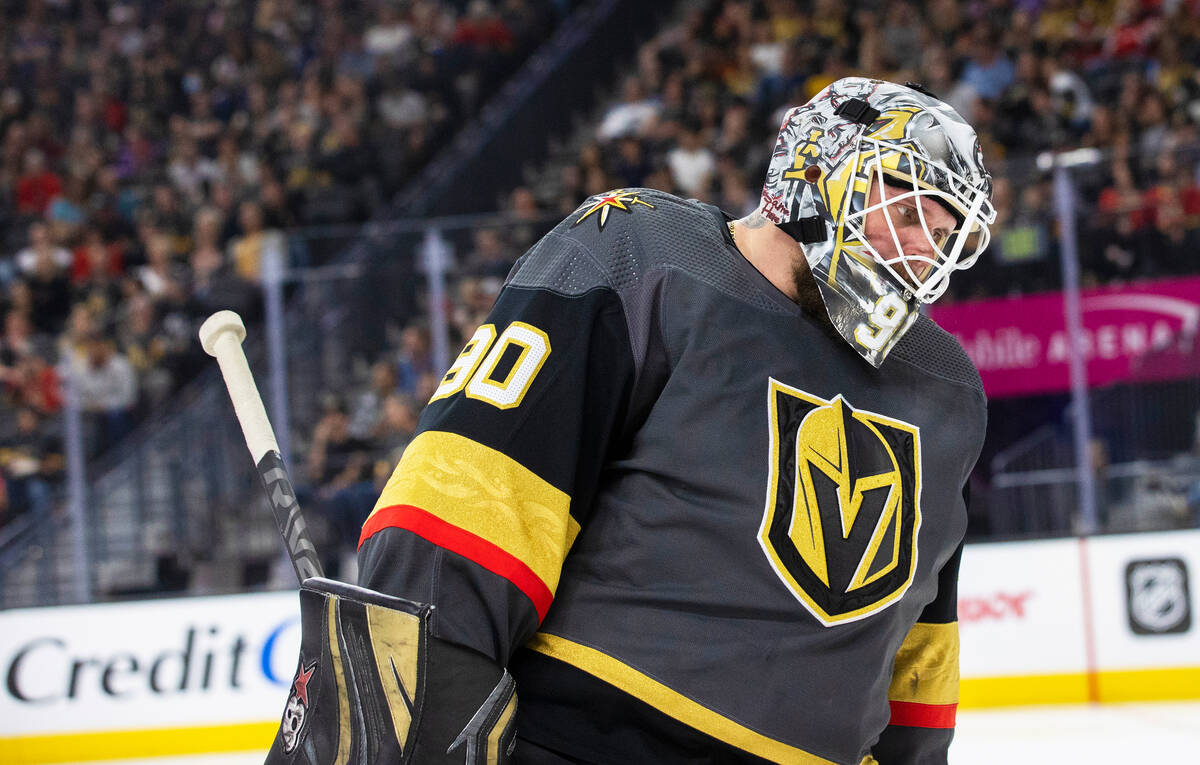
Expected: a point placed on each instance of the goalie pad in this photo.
(373, 685)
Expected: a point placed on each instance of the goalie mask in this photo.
(867, 154)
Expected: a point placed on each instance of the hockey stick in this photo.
(221, 335)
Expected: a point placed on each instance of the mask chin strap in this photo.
(810, 228)
(806, 230)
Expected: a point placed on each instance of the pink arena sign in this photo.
(1144, 331)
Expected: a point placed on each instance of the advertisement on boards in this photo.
(1144, 588)
(1020, 609)
(151, 664)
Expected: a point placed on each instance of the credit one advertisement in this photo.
(1144, 331)
(148, 665)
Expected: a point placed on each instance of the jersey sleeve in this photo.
(924, 690)
(492, 491)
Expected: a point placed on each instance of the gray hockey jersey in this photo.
(696, 524)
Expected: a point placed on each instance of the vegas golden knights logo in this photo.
(843, 504)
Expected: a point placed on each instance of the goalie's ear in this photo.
(373, 685)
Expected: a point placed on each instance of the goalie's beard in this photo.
(809, 298)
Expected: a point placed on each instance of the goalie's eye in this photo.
(908, 214)
(904, 214)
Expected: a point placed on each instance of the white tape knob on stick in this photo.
(221, 335)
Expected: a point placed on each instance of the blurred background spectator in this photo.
(107, 388)
(31, 463)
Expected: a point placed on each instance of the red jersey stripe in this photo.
(475, 548)
(913, 715)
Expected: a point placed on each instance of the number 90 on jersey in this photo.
(477, 366)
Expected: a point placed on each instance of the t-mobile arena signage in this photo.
(1144, 331)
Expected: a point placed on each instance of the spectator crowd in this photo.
(152, 152)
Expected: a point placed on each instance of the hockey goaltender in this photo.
(696, 490)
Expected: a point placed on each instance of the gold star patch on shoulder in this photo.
(619, 199)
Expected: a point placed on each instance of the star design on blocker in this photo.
(620, 199)
(301, 684)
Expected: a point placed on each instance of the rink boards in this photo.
(1107, 619)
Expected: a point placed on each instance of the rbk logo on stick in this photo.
(843, 504)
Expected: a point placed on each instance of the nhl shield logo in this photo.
(843, 504)
(1157, 596)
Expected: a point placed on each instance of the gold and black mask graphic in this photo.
(842, 512)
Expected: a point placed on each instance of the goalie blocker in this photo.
(373, 685)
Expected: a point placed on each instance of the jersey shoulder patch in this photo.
(620, 238)
(598, 245)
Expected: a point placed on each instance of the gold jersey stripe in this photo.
(672, 703)
(486, 493)
(926, 669)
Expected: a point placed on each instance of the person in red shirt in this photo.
(37, 186)
(38, 385)
(95, 258)
(483, 28)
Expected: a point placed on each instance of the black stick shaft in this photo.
(288, 518)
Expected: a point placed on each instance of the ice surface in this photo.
(1097, 734)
